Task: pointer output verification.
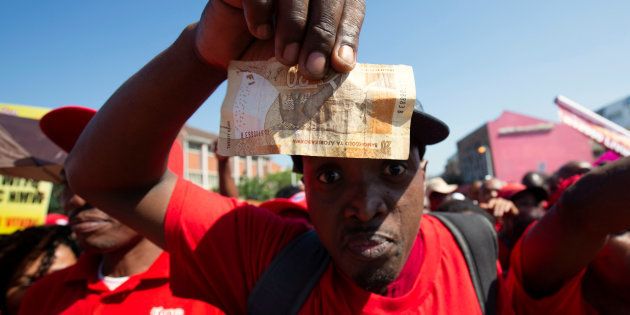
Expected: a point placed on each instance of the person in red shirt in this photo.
(386, 257)
(120, 271)
(588, 271)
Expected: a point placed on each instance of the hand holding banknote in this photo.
(316, 34)
(270, 108)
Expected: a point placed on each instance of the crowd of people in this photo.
(363, 236)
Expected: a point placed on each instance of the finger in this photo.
(321, 34)
(290, 25)
(344, 56)
(258, 14)
(221, 20)
(492, 203)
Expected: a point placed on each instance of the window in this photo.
(194, 146)
(195, 177)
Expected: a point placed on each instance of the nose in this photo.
(71, 201)
(366, 202)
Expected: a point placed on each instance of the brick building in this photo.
(200, 163)
(514, 144)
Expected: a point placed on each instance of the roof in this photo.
(192, 132)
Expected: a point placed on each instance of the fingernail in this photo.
(316, 63)
(290, 53)
(263, 31)
(346, 53)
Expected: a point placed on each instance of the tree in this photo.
(263, 189)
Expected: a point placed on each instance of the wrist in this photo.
(187, 40)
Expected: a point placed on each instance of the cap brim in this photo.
(448, 189)
(427, 129)
(64, 125)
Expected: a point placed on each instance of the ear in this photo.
(423, 165)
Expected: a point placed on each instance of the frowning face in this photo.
(367, 213)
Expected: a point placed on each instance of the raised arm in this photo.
(568, 238)
(119, 162)
(227, 186)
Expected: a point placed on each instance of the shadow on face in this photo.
(367, 213)
(95, 230)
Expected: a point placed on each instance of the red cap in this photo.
(278, 205)
(509, 190)
(64, 125)
(56, 219)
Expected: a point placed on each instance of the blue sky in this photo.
(472, 59)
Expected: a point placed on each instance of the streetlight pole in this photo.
(488, 157)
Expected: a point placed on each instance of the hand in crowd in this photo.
(316, 35)
(599, 200)
(499, 207)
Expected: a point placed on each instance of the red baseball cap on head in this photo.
(510, 189)
(278, 205)
(64, 125)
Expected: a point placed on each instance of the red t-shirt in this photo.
(220, 247)
(77, 290)
(568, 300)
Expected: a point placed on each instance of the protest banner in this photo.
(596, 127)
(23, 203)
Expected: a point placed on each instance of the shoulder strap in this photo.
(477, 240)
(288, 281)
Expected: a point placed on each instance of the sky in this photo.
(471, 59)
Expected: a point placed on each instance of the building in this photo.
(452, 173)
(617, 112)
(514, 144)
(200, 163)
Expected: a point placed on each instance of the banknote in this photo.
(270, 109)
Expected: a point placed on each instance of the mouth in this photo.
(88, 221)
(88, 226)
(369, 246)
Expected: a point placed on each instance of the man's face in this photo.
(366, 213)
(95, 230)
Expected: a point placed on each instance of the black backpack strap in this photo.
(477, 240)
(288, 281)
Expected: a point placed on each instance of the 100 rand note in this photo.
(271, 109)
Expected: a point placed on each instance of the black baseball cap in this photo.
(425, 130)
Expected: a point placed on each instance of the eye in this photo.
(395, 169)
(329, 177)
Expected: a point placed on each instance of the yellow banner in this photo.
(23, 203)
(32, 112)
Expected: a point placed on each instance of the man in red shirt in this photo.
(576, 260)
(120, 271)
(386, 257)
(367, 212)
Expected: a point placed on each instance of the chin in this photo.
(375, 280)
(96, 246)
